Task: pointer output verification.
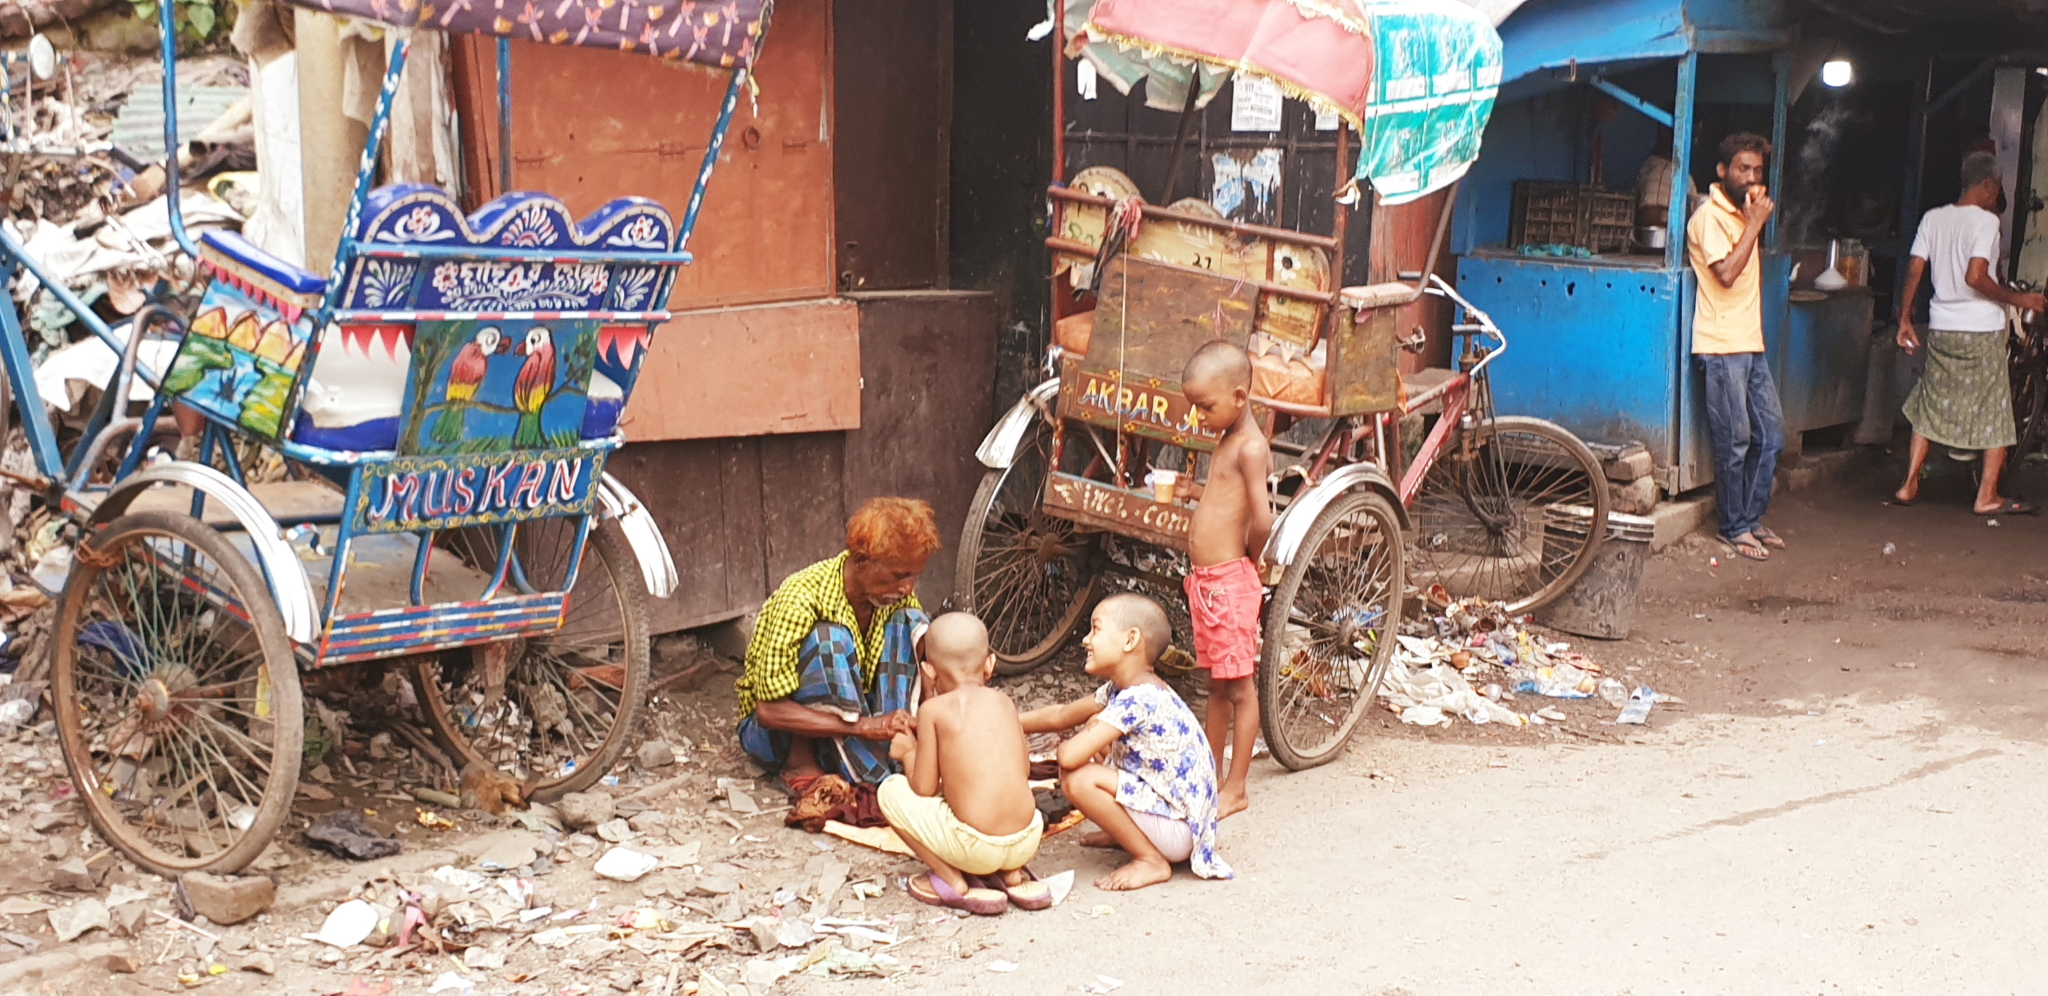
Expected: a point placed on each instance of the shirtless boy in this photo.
(1227, 534)
(1156, 796)
(966, 807)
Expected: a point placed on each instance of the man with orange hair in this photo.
(831, 673)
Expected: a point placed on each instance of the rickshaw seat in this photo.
(1386, 295)
(247, 254)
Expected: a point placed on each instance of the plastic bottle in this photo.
(1614, 692)
(1638, 708)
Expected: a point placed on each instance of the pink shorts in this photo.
(1225, 602)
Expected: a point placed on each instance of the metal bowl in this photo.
(1650, 237)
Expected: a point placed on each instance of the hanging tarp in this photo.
(1166, 77)
(1321, 52)
(1415, 78)
(724, 34)
(1435, 79)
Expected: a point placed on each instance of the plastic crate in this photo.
(1545, 213)
(1610, 219)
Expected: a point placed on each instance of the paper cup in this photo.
(1163, 482)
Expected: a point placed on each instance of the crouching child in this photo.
(1156, 796)
(966, 808)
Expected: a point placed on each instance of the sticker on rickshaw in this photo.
(1126, 513)
(414, 493)
(1147, 406)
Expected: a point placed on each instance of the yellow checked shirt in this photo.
(810, 596)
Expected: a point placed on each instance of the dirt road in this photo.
(1816, 819)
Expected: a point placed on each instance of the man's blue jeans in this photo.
(1747, 429)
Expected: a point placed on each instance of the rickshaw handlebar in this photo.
(1478, 322)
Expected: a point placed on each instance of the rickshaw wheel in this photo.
(176, 695)
(1511, 523)
(1029, 575)
(1330, 631)
(566, 705)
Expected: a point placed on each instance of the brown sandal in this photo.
(1748, 547)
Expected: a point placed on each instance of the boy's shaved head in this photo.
(1127, 611)
(1219, 362)
(956, 642)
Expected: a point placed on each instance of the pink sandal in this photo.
(1030, 894)
(980, 902)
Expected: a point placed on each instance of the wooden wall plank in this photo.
(929, 362)
(803, 507)
(745, 542)
(681, 484)
(589, 125)
(780, 368)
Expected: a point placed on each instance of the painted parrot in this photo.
(536, 381)
(465, 375)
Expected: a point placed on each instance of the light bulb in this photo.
(1837, 72)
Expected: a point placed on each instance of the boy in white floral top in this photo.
(1156, 798)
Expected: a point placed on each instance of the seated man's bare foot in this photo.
(1099, 838)
(1138, 874)
(1230, 803)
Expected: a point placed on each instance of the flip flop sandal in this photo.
(1030, 894)
(2013, 506)
(980, 902)
(1768, 538)
(1896, 502)
(1751, 550)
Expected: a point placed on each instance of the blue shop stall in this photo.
(1570, 228)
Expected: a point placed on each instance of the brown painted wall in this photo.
(590, 125)
(1401, 238)
(893, 105)
(766, 369)
(742, 514)
(928, 363)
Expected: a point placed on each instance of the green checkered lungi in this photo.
(1964, 399)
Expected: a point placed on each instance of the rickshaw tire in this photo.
(617, 560)
(288, 707)
(1279, 608)
(971, 535)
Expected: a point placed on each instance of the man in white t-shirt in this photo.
(1964, 399)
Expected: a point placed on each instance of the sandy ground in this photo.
(1815, 818)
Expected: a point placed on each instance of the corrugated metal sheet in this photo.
(139, 128)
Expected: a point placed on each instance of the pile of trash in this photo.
(1468, 658)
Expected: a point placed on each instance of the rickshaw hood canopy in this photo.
(721, 34)
(1416, 78)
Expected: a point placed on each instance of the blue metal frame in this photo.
(1615, 90)
(218, 437)
(504, 115)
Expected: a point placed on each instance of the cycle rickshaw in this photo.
(446, 397)
(1507, 509)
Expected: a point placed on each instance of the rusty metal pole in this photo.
(1180, 136)
(1342, 224)
(1059, 93)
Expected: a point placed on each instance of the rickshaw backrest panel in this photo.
(417, 215)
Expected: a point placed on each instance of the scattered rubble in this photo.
(226, 899)
(584, 810)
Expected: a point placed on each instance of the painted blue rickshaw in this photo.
(443, 402)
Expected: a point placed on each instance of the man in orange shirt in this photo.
(1744, 421)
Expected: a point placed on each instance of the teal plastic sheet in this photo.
(1437, 71)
